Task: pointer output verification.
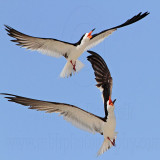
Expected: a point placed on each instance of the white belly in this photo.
(109, 127)
(76, 53)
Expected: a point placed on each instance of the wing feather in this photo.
(51, 47)
(78, 117)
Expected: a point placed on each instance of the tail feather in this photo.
(105, 146)
(79, 65)
(68, 69)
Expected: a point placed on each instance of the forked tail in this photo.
(68, 69)
(105, 146)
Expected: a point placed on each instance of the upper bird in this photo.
(71, 51)
(81, 118)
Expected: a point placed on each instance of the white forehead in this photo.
(86, 35)
(85, 38)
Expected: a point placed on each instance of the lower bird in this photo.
(79, 117)
(71, 51)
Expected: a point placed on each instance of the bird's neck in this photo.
(111, 114)
(82, 45)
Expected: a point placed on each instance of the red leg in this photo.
(113, 143)
(74, 65)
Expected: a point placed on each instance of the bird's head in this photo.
(89, 34)
(110, 104)
(86, 37)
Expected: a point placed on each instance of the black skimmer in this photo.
(79, 117)
(71, 51)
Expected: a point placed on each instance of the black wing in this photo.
(103, 76)
(99, 37)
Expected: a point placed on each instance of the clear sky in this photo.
(133, 57)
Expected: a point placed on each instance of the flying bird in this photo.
(71, 51)
(77, 116)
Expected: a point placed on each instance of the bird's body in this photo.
(110, 126)
(71, 51)
(109, 132)
(73, 64)
(79, 49)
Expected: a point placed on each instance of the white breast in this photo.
(76, 53)
(109, 126)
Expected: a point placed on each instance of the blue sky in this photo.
(132, 54)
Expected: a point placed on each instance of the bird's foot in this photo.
(112, 142)
(74, 65)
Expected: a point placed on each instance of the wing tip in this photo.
(7, 94)
(8, 28)
(134, 19)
